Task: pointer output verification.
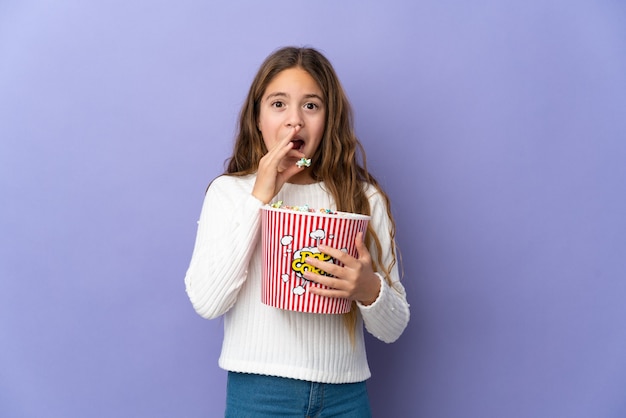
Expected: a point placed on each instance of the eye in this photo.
(278, 104)
(311, 106)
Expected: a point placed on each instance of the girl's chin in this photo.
(293, 159)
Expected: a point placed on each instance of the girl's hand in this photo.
(355, 280)
(276, 167)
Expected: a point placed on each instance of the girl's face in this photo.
(293, 98)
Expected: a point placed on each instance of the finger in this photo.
(286, 140)
(361, 248)
(280, 150)
(339, 255)
(329, 293)
(283, 154)
(326, 266)
(330, 282)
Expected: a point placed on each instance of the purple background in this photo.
(498, 129)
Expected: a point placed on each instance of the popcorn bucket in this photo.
(287, 238)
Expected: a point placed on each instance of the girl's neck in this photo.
(302, 178)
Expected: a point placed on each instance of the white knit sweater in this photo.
(224, 278)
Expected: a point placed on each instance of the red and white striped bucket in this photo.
(288, 237)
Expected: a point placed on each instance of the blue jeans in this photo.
(256, 396)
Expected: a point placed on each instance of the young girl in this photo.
(286, 363)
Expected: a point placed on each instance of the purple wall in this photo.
(498, 130)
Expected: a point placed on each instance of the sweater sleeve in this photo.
(388, 316)
(228, 231)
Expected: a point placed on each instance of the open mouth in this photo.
(298, 144)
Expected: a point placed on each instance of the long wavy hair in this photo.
(339, 161)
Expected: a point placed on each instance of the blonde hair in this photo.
(339, 161)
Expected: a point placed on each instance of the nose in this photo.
(294, 118)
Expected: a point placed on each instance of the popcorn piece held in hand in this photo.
(304, 162)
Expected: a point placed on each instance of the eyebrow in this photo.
(282, 94)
